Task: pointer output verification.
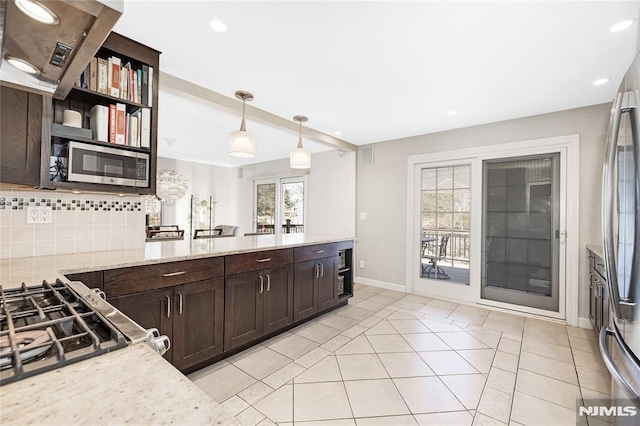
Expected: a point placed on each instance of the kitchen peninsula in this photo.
(245, 289)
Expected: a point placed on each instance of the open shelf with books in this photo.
(115, 103)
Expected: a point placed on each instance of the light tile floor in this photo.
(394, 359)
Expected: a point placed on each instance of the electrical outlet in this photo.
(45, 214)
(39, 215)
(362, 264)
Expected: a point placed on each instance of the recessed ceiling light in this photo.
(22, 65)
(37, 11)
(601, 81)
(622, 25)
(218, 25)
(452, 113)
(338, 133)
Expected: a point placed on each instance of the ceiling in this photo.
(376, 71)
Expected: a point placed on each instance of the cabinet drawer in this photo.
(142, 278)
(255, 261)
(318, 251)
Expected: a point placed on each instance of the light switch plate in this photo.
(363, 215)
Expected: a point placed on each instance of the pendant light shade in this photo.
(300, 158)
(241, 142)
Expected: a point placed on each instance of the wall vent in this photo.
(367, 156)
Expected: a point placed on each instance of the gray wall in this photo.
(382, 187)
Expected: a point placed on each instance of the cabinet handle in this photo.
(318, 251)
(174, 274)
(321, 269)
(168, 306)
(261, 283)
(316, 271)
(268, 282)
(180, 303)
(267, 259)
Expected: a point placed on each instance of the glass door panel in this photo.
(292, 206)
(445, 223)
(265, 214)
(521, 223)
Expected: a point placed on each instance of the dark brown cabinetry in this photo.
(184, 300)
(20, 136)
(598, 292)
(316, 280)
(260, 301)
(82, 100)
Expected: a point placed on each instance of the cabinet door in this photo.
(304, 289)
(198, 322)
(592, 297)
(20, 136)
(328, 283)
(278, 298)
(150, 309)
(243, 310)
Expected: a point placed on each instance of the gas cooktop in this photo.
(48, 326)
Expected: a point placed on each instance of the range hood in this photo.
(60, 51)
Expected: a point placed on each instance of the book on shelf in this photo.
(102, 76)
(145, 128)
(133, 131)
(99, 123)
(112, 123)
(145, 85)
(93, 74)
(121, 116)
(114, 76)
(150, 88)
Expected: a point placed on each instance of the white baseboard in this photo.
(584, 323)
(380, 284)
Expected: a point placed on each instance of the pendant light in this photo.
(300, 158)
(241, 142)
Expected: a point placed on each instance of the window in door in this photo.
(280, 205)
(445, 223)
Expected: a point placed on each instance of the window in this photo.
(445, 223)
(280, 198)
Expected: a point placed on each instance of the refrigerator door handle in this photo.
(623, 309)
(611, 366)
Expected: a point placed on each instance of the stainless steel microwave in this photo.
(106, 165)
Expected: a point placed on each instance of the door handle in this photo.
(180, 303)
(168, 306)
(261, 283)
(174, 274)
(268, 282)
(611, 366)
(622, 308)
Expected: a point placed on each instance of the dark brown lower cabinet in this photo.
(198, 322)
(191, 315)
(316, 286)
(257, 303)
(150, 309)
(90, 279)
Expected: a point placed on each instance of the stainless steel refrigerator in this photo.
(620, 341)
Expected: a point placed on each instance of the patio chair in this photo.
(440, 254)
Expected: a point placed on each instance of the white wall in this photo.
(382, 187)
(203, 181)
(330, 195)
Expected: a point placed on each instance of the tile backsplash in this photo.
(80, 223)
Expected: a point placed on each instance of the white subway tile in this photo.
(44, 232)
(44, 248)
(22, 233)
(84, 245)
(22, 249)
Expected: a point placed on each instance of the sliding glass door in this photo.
(521, 222)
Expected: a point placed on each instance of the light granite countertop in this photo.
(133, 385)
(32, 270)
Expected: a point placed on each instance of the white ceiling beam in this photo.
(185, 89)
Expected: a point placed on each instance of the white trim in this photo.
(569, 150)
(585, 323)
(379, 284)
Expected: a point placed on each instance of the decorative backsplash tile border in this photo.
(19, 203)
